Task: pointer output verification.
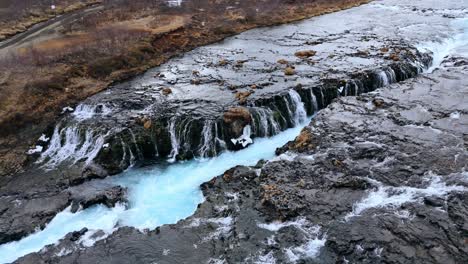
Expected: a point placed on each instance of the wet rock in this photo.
(168, 91)
(283, 61)
(21, 215)
(305, 53)
(242, 96)
(86, 196)
(236, 119)
(289, 71)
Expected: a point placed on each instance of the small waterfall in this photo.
(174, 141)
(264, 123)
(322, 97)
(71, 144)
(383, 78)
(351, 86)
(208, 140)
(314, 102)
(300, 114)
(137, 146)
(86, 111)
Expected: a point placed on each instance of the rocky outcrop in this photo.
(35, 204)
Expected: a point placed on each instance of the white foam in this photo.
(300, 114)
(394, 197)
(308, 250)
(266, 259)
(44, 138)
(455, 115)
(86, 111)
(456, 45)
(69, 144)
(276, 226)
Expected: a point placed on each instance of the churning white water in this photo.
(457, 45)
(157, 195)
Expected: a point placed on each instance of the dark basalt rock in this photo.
(84, 197)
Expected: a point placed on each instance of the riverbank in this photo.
(82, 62)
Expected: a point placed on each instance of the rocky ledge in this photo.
(375, 178)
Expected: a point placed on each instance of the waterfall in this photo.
(267, 125)
(208, 140)
(300, 114)
(137, 147)
(86, 111)
(174, 141)
(71, 144)
(383, 78)
(222, 144)
(314, 102)
(322, 97)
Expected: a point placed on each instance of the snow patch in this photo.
(36, 149)
(244, 139)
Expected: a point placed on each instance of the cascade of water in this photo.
(137, 146)
(300, 113)
(86, 111)
(70, 144)
(157, 196)
(208, 140)
(267, 125)
(289, 113)
(455, 45)
(174, 140)
(322, 97)
(392, 75)
(221, 143)
(383, 79)
(314, 102)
